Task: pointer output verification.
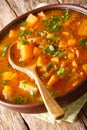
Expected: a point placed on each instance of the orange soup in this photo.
(56, 41)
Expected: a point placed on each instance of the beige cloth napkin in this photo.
(71, 111)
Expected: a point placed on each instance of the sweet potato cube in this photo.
(41, 14)
(11, 33)
(40, 62)
(85, 68)
(9, 75)
(52, 80)
(31, 20)
(37, 51)
(55, 59)
(7, 92)
(83, 28)
(27, 51)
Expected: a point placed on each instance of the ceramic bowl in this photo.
(68, 97)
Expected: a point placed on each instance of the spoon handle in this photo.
(52, 106)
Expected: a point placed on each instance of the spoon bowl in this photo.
(51, 105)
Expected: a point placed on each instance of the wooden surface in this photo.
(11, 120)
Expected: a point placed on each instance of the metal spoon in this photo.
(51, 105)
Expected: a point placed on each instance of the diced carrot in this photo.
(7, 92)
(9, 75)
(85, 68)
(71, 55)
(41, 14)
(52, 80)
(63, 44)
(71, 42)
(65, 33)
(83, 28)
(55, 59)
(50, 35)
(42, 61)
(74, 63)
(39, 61)
(47, 75)
(36, 51)
(27, 51)
(38, 40)
(11, 33)
(31, 20)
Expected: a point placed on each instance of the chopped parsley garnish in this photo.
(60, 71)
(24, 82)
(24, 42)
(83, 43)
(54, 94)
(23, 24)
(53, 24)
(65, 15)
(4, 82)
(48, 67)
(55, 67)
(4, 50)
(50, 49)
(24, 32)
(21, 99)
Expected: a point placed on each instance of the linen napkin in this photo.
(71, 111)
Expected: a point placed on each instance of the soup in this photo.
(56, 41)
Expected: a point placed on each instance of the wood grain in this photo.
(40, 124)
(79, 2)
(6, 14)
(22, 6)
(11, 120)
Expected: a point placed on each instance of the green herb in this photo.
(21, 33)
(40, 33)
(4, 82)
(24, 42)
(54, 94)
(55, 67)
(23, 24)
(24, 32)
(60, 71)
(54, 24)
(32, 92)
(40, 99)
(58, 52)
(52, 38)
(24, 82)
(27, 32)
(21, 99)
(83, 43)
(50, 49)
(45, 21)
(80, 62)
(65, 15)
(48, 67)
(4, 50)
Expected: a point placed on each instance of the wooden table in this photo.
(11, 120)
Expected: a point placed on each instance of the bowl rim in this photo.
(66, 98)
